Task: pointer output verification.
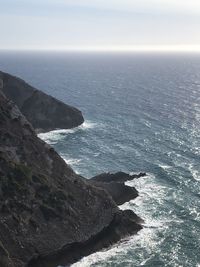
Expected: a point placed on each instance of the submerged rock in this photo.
(44, 112)
(48, 214)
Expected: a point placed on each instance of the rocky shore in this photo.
(49, 215)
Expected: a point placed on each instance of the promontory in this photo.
(49, 215)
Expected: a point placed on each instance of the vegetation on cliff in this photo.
(46, 209)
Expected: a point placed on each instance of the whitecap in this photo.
(146, 123)
(195, 173)
(194, 213)
(164, 166)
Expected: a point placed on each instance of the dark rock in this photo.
(117, 177)
(121, 223)
(113, 183)
(48, 214)
(4, 257)
(44, 112)
(120, 192)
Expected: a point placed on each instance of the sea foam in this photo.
(53, 137)
(147, 240)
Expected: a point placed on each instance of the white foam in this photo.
(72, 161)
(146, 123)
(54, 136)
(144, 241)
(195, 173)
(147, 240)
(88, 125)
(151, 195)
(164, 166)
(194, 212)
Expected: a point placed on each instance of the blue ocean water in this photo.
(142, 113)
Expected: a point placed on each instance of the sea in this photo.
(142, 113)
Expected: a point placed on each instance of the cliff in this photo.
(49, 215)
(44, 112)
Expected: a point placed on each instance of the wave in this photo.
(108, 256)
(151, 196)
(164, 166)
(71, 162)
(195, 173)
(54, 136)
(147, 240)
(146, 122)
(143, 244)
(88, 125)
(187, 164)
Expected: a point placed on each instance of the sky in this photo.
(100, 24)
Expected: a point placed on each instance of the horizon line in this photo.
(109, 48)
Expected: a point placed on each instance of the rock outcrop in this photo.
(117, 177)
(44, 112)
(114, 184)
(49, 215)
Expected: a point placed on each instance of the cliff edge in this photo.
(49, 215)
(44, 112)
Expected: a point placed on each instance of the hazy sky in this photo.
(99, 24)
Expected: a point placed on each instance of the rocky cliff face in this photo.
(48, 214)
(44, 112)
